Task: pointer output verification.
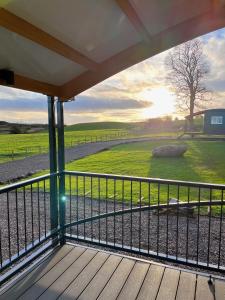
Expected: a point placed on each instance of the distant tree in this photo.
(17, 129)
(187, 68)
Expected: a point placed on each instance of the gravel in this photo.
(152, 228)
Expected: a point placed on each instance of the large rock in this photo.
(169, 151)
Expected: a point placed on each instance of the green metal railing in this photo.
(179, 221)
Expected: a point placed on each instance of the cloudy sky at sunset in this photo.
(138, 93)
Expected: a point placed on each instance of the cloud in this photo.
(114, 115)
(214, 49)
(23, 105)
(91, 104)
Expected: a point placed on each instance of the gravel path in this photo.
(152, 228)
(14, 170)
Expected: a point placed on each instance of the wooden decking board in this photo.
(80, 283)
(75, 272)
(45, 281)
(116, 282)
(151, 283)
(101, 278)
(219, 290)
(56, 289)
(168, 287)
(36, 273)
(186, 287)
(203, 289)
(134, 282)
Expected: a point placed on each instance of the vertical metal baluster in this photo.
(99, 225)
(39, 221)
(84, 207)
(17, 224)
(77, 194)
(209, 231)
(32, 213)
(187, 236)
(70, 204)
(45, 210)
(167, 221)
(178, 212)
(106, 196)
(199, 199)
(131, 214)
(140, 205)
(9, 226)
(122, 213)
(1, 259)
(91, 208)
(220, 234)
(158, 202)
(114, 217)
(149, 216)
(25, 217)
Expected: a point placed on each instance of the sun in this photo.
(163, 102)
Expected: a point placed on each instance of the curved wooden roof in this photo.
(62, 48)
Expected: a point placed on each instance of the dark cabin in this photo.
(214, 120)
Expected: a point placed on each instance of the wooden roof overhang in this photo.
(62, 48)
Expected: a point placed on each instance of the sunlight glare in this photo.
(163, 103)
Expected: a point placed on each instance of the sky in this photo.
(136, 94)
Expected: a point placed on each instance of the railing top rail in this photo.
(23, 183)
(149, 180)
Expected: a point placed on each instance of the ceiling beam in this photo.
(133, 17)
(169, 38)
(32, 85)
(31, 32)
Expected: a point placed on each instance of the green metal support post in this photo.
(53, 166)
(61, 168)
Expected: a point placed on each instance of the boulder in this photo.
(169, 151)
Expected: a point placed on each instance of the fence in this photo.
(172, 220)
(24, 222)
(21, 152)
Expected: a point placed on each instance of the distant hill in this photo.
(99, 126)
(7, 127)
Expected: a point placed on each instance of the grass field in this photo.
(17, 146)
(203, 162)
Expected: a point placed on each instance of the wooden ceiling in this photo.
(63, 48)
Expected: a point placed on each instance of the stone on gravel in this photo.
(169, 151)
(182, 210)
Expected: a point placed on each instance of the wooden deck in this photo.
(75, 272)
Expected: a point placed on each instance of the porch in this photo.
(76, 272)
(63, 52)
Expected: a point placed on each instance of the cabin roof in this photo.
(202, 112)
(62, 48)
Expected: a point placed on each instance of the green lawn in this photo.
(203, 162)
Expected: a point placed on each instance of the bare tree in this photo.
(187, 67)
